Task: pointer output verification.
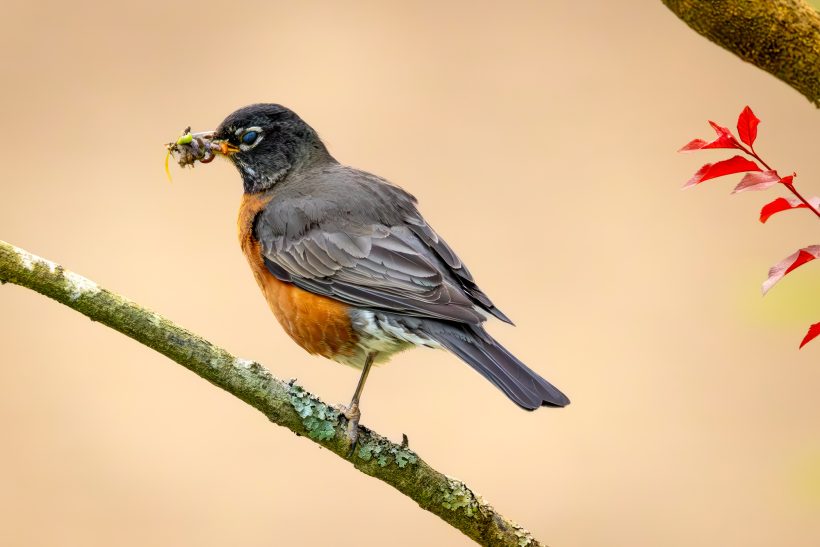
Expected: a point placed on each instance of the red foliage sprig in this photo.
(757, 178)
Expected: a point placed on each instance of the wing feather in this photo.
(376, 268)
(369, 247)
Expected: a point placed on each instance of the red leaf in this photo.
(747, 126)
(696, 144)
(785, 204)
(735, 164)
(790, 263)
(724, 139)
(814, 330)
(757, 180)
(789, 180)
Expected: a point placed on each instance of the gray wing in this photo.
(364, 243)
(378, 267)
(444, 253)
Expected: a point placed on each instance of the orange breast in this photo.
(319, 324)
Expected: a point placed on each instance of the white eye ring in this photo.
(241, 132)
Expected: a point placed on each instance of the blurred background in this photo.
(540, 139)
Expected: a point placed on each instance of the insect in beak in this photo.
(196, 147)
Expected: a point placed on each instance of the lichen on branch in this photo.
(284, 403)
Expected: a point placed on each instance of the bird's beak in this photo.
(218, 145)
(226, 148)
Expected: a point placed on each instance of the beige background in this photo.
(540, 138)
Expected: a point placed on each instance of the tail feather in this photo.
(479, 350)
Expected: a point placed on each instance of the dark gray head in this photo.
(267, 142)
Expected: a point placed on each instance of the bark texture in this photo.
(780, 36)
(284, 403)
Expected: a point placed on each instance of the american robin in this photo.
(349, 266)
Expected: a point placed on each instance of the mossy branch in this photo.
(284, 403)
(780, 36)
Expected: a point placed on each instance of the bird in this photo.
(349, 266)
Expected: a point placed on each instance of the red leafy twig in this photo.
(757, 179)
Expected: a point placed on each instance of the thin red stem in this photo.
(752, 153)
(794, 191)
(791, 187)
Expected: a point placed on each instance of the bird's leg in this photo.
(352, 413)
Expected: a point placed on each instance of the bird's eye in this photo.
(249, 137)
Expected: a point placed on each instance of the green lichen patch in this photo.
(457, 496)
(524, 536)
(383, 451)
(319, 419)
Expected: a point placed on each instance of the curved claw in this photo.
(353, 414)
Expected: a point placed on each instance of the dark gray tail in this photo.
(479, 350)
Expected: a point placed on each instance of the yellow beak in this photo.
(226, 148)
(222, 146)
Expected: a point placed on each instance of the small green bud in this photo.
(185, 139)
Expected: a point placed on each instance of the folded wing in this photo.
(376, 266)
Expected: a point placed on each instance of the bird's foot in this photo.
(353, 414)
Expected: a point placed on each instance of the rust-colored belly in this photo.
(319, 324)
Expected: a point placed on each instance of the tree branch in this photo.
(284, 403)
(780, 36)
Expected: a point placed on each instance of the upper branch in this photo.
(284, 403)
(780, 36)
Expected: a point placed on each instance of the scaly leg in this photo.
(352, 413)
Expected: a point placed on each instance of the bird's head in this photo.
(266, 142)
